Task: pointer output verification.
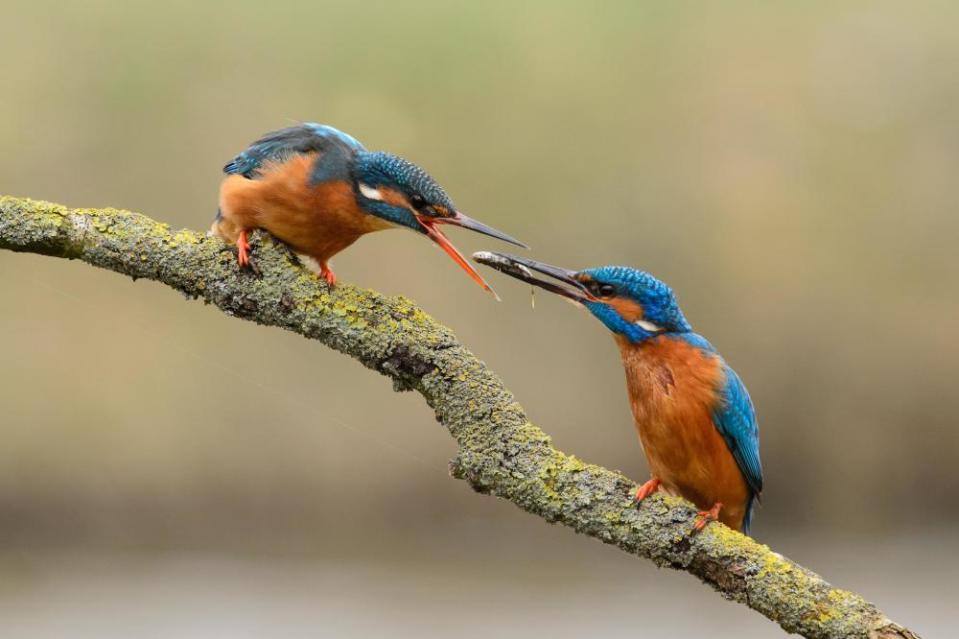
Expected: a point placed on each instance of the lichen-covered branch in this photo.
(500, 451)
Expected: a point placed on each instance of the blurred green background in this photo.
(789, 168)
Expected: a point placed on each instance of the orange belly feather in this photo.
(673, 388)
(319, 221)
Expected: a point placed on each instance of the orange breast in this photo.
(673, 388)
(319, 221)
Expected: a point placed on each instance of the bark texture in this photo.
(500, 451)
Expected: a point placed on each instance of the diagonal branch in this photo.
(500, 451)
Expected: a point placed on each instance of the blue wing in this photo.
(277, 146)
(736, 420)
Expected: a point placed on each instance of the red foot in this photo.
(647, 489)
(327, 274)
(703, 517)
(243, 249)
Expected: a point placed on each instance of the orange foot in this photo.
(703, 517)
(647, 489)
(243, 248)
(327, 274)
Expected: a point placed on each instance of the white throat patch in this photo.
(370, 193)
(649, 327)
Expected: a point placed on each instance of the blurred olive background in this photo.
(789, 168)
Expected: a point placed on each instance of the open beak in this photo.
(429, 224)
(522, 269)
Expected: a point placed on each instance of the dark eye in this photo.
(601, 290)
(417, 201)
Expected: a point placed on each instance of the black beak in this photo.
(465, 221)
(522, 269)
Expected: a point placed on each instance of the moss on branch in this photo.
(500, 451)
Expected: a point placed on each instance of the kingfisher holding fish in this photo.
(318, 190)
(695, 419)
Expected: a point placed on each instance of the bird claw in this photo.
(327, 274)
(647, 489)
(703, 517)
(243, 249)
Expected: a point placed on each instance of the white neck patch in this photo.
(370, 193)
(649, 327)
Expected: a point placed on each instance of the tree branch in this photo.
(500, 451)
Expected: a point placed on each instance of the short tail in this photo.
(748, 517)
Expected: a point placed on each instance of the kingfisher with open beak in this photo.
(318, 190)
(694, 416)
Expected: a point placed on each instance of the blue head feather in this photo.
(653, 296)
(379, 169)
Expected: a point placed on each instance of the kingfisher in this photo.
(318, 190)
(695, 419)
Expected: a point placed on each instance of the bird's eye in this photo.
(600, 290)
(417, 201)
